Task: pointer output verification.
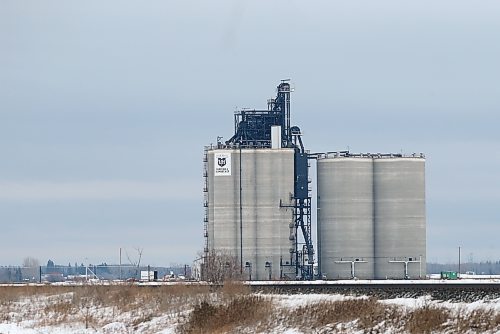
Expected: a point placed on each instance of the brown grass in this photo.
(427, 319)
(234, 288)
(13, 293)
(228, 308)
(60, 305)
(242, 311)
(477, 321)
(367, 313)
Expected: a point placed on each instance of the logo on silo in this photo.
(222, 164)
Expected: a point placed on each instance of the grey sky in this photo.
(105, 108)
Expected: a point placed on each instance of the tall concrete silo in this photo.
(257, 197)
(345, 216)
(399, 211)
(257, 231)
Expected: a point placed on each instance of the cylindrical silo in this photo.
(399, 193)
(345, 217)
(223, 203)
(258, 230)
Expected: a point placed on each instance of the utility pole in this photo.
(458, 261)
(120, 263)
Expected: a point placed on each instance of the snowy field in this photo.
(173, 309)
(433, 279)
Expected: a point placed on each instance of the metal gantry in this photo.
(303, 251)
(252, 128)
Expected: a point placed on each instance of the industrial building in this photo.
(257, 200)
(371, 215)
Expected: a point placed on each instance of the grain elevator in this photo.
(257, 200)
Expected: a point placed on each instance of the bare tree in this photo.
(219, 266)
(136, 262)
(31, 266)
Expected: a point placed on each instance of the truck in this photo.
(452, 275)
(151, 275)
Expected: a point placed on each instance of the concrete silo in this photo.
(345, 216)
(256, 195)
(371, 216)
(257, 229)
(371, 207)
(399, 212)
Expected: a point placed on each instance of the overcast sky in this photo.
(105, 107)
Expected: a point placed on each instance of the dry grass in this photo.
(371, 316)
(53, 305)
(234, 288)
(428, 319)
(229, 308)
(13, 293)
(477, 321)
(242, 311)
(362, 313)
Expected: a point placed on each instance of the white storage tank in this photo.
(267, 179)
(345, 216)
(399, 212)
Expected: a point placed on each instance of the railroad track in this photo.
(463, 291)
(459, 291)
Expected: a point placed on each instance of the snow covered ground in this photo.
(434, 279)
(469, 279)
(65, 312)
